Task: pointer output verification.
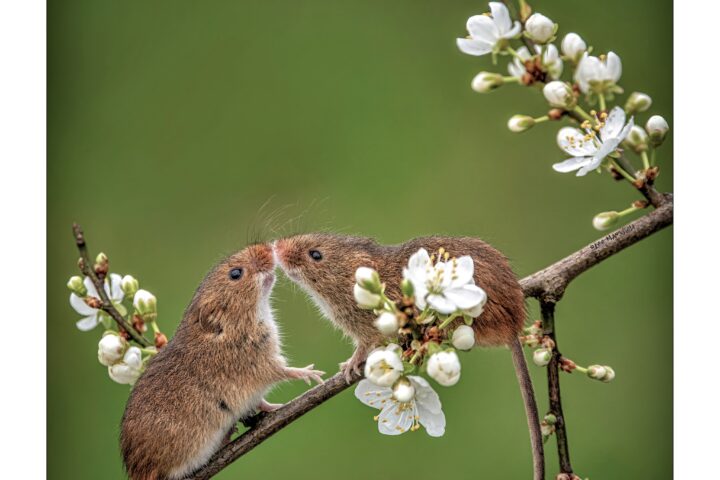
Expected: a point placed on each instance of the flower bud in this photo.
(546, 429)
(542, 356)
(160, 340)
(365, 299)
(111, 349)
(76, 285)
(573, 46)
(444, 368)
(596, 372)
(486, 81)
(520, 123)
(637, 102)
(383, 368)
(605, 220)
(127, 371)
(560, 95)
(387, 323)
(540, 28)
(657, 129)
(146, 305)
(609, 375)
(368, 279)
(403, 390)
(636, 140)
(407, 287)
(129, 285)
(463, 338)
(550, 419)
(101, 258)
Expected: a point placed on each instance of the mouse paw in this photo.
(307, 373)
(350, 366)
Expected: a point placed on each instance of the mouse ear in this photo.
(211, 320)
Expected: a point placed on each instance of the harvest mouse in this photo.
(224, 358)
(324, 266)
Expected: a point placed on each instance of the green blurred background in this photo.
(171, 124)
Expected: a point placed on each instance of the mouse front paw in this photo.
(307, 374)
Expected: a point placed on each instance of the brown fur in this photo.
(330, 283)
(224, 357)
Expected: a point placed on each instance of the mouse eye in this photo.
(315, 255)
(236, 273)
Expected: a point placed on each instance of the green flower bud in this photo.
(129, 285)
(542, 356)
(520, 123)
(596, 372)
(550, 419)
(637, 102)
(407, 287)
(560, 95)
(605, 220)
(76, 285)
(636, 140)
(146, 305)
(368, 279)
(101, 258)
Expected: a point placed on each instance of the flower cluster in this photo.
(124, 360)
(424, 329)
(544, 351)
(602, 133)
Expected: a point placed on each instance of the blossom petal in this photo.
(501, 17)
(482, 27)
(394, 419)
(476, 311)
(473, 47)
(514, 31)
(113, 288)
(434, 423)
(572, 141)
(419, 261)
(571, 164)
(372, 395)
(79, 305)
(465, 297)
(613, 69)
(91, 291)
(425, 395)
(613, 124)
(464, 270)
(87, 323)
(441, 304)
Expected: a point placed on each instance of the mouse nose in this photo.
(263, 257)
(279, 247)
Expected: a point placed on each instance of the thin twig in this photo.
(547, 310)
(86, 267)
(549, 283)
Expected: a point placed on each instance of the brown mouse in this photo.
(324, 265)
(224, 358)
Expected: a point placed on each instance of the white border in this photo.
(22, 252)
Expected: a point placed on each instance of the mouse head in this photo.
(237, 287)
(324, 264)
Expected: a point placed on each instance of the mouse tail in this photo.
(528, 395)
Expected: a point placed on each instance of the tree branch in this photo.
(86, 268)
(548, 284)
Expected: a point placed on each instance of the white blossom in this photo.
(657, 128)
(365, 299)
(447, 286)
(444, 368)
(638, 102)
(573, 46)
(542, 356)
(111, 349)
(489, 33)
(127, 371)
(588, 148)
(463, 338)
(550, 59)
(596, 75)
(383, 367)
(403, 390)
(540, 28)
(484, 82)
(559, 94)
(368, 279)
(145, 302)
(605, 220)
(387, 323)
(91, 316)
(398, 417)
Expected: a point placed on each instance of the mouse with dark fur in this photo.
(324, 266)
(223, 359)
